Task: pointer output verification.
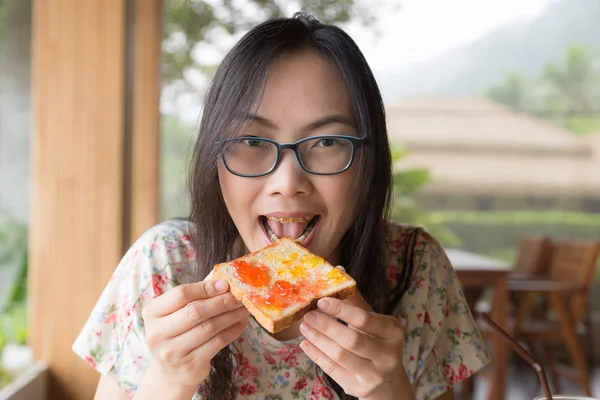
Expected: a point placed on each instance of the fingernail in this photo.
(304, 345)
(305, 329)
(324, 304)
(220, 285)
(311, 318)
(341, 268)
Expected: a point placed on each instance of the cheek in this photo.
(238, 194)
(339, 194)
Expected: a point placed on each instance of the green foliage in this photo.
(567, 94)
(13, 281)
(5, 377)
(514, 91)
(498, 232)
(13, 256)
(13, 325)
(573, 85)
(404, 207)
(177, 142)
(193, 25)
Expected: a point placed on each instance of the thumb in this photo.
(210, 275)
(358, 301)
(341, 268)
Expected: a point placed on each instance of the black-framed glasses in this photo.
(250, 156)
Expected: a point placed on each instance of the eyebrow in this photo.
(327, 120)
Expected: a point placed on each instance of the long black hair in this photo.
(236, 90)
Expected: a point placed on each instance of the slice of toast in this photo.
(283, 281)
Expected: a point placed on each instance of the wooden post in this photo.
(95, 158)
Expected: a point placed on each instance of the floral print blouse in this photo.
(442, 344)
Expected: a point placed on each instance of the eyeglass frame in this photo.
(355, 141)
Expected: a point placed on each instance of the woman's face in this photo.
(303, 97)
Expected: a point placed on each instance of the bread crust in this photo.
(274, 325)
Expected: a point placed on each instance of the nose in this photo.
(288, 179)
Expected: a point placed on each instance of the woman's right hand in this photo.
(188, 325)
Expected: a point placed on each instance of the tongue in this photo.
(290, 229)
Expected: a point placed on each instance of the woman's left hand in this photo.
(365, 357)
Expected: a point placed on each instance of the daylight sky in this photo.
(423, 29)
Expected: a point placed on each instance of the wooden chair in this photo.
(566, 289)
(533, 254)
(532, 261)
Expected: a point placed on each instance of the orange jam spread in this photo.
(252, 275)
(317, 286)
(281, 295)
(335, 277)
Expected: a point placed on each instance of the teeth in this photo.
(300, 239)
(272, 236)
(290, 220)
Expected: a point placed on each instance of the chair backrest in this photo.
(533, 255)
(575, 261)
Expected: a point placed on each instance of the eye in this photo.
(327, 142)
(252, 142)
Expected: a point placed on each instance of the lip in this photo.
(307, 241)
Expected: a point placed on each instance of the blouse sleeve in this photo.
(443, 345)
(112, 340)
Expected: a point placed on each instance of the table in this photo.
(477, 273)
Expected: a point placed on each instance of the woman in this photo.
(163, 328)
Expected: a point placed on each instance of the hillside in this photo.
(525, 47)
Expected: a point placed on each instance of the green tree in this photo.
(573, 84)
(572, 88)
(513, 91)
(565, 93)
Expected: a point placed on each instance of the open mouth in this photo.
(297, 229)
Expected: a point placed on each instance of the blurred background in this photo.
(493, 110)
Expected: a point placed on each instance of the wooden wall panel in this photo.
(95, 165)
(77, 195)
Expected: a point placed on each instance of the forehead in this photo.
(302, 87)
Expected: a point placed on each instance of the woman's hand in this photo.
(365, 357)
(188, 325)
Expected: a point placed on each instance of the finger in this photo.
(338, 373)
(382, 326)
(350, 340)
(197, 312)
(181, 295)
(215, 344)
(340, 268)
(358, 301)
(207, 330)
